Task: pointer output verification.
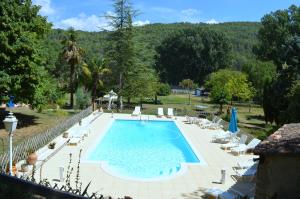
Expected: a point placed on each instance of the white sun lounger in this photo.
(216, 125)
(243, 148)
(234, 142)
(218, 193)
(137, 111)
(222, 137)
(203, 123)
(170, 113)
(191, 120)
(160, 112)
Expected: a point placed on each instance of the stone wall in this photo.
(278, 177)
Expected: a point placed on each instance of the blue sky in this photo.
(86, 14)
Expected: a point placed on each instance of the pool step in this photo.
(170, 171)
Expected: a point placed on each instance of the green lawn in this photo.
(31, 122)
(251, 120)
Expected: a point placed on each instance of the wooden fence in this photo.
(20, 151)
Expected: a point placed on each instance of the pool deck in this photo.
(187, 185)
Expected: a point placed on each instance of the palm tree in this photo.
(93, 76)
(72, 54)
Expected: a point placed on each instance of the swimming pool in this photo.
(143, 149)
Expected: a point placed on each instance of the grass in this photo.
(30, 123)
(250, 117)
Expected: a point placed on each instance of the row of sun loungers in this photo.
(237, 145)
(216, 123)
(245, 172)
(81, 130)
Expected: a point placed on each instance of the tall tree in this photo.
(279, 42)
(142, 82)
(276, 30)
(192, 53)
(93, 74)
(259, 73)
(21, 31)
(239, 87)
(121, 49)
(72, 54)
(228, 85)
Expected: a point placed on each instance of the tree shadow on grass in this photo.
(24, 120)
(256, 117)
(253, 125)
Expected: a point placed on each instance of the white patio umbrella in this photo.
(111, 96)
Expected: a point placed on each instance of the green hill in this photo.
(241, 34)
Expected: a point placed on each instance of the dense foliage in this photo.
(259, 73)
(21, 61)
(279, 42)
(228, 85)
(82, 98)
(192, 53)
(142, 82)
(164, 89)
(241, 36)
(93, 76)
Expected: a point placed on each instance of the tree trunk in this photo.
(72, 71)
(155, 99)
(128, 100)
(141, 103)
(94, 94)
(189, 97)
(120, 90)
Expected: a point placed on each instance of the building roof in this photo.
(285, 141)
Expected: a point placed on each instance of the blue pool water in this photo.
(143, 149)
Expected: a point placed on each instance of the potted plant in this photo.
(32, 157)
(24, 167)
(51, 145)
(66, 134)
(14, 167)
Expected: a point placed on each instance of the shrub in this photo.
(164, 89)
(83, 98)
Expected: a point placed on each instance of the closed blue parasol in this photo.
(233, 127)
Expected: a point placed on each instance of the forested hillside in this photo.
(242, 36)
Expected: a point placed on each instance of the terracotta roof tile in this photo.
(285, 140)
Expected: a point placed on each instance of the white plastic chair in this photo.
(160, 112)
(170, 113)
(137, 111)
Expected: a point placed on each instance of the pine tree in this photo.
(121, 49)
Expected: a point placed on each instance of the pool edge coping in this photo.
(104, 165)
